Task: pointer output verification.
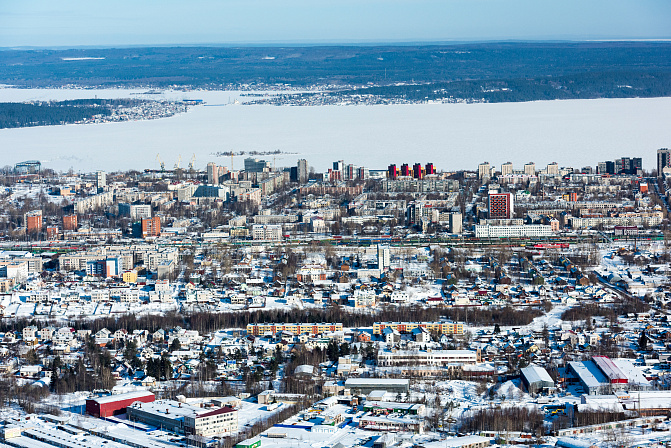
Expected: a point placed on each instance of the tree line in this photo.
(19, 115)
(206, 322)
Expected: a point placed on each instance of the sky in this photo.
(72, 23)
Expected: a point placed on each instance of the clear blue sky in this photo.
(157, 22)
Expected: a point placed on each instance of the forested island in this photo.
(47, 113)
(19, 115)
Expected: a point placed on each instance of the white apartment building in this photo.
(267, 232)
(531, 230)
(387, 358)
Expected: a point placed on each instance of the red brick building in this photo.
(52, 232)
(501, 206)
(70, 222)
(151, 227)
(33, 221)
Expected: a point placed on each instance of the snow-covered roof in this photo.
(536, 374)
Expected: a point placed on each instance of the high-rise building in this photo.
(212, 173)
(622, 165)
(430, 169)
(70, 222)
(350, 172)
(405, 170)
(302, 171)
(253, 165)
(663, 160)
(606, 167)
(506, 169)
(530, 169)
(33, 221)
(339, 165)
(628, 165)
(417, 171)
(501, 206)
(383, 257)
(392, 172)
(456, 222)
(101, 179)
(151, 227)
(637, 166)
(484, 171)
(552, 169)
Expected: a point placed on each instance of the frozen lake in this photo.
(452, 136)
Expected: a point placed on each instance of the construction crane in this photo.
(192, 163)
(179, 162)
(158, 158)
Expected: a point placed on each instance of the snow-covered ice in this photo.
(454, 136)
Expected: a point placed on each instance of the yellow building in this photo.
(431, 327)
(239, 232)
(129, 277)
(6, 285)
(257, 329)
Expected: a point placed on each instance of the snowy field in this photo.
(453, 136)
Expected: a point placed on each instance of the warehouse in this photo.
(109, 405)
(590, 377)
(390, 407)
(364, 386)
(537, 380)
(602, 375)
(391, 423)
(185, 418)
(254, 442)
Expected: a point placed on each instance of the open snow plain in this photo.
(452, 136)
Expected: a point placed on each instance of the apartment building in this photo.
(386, 358)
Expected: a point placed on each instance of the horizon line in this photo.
(332, 43)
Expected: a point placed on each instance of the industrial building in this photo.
(364, 386)
(407, 423)
(185, 418)
(109, 405)
(537, 380)
(602, 375)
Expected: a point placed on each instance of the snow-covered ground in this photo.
(447, 134)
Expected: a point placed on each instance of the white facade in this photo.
(267, 232)
(532, 230)
(387, 358)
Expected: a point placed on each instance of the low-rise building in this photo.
(186, 418)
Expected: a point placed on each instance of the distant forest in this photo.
(18, 115)
(630, 84)
(494, 72)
